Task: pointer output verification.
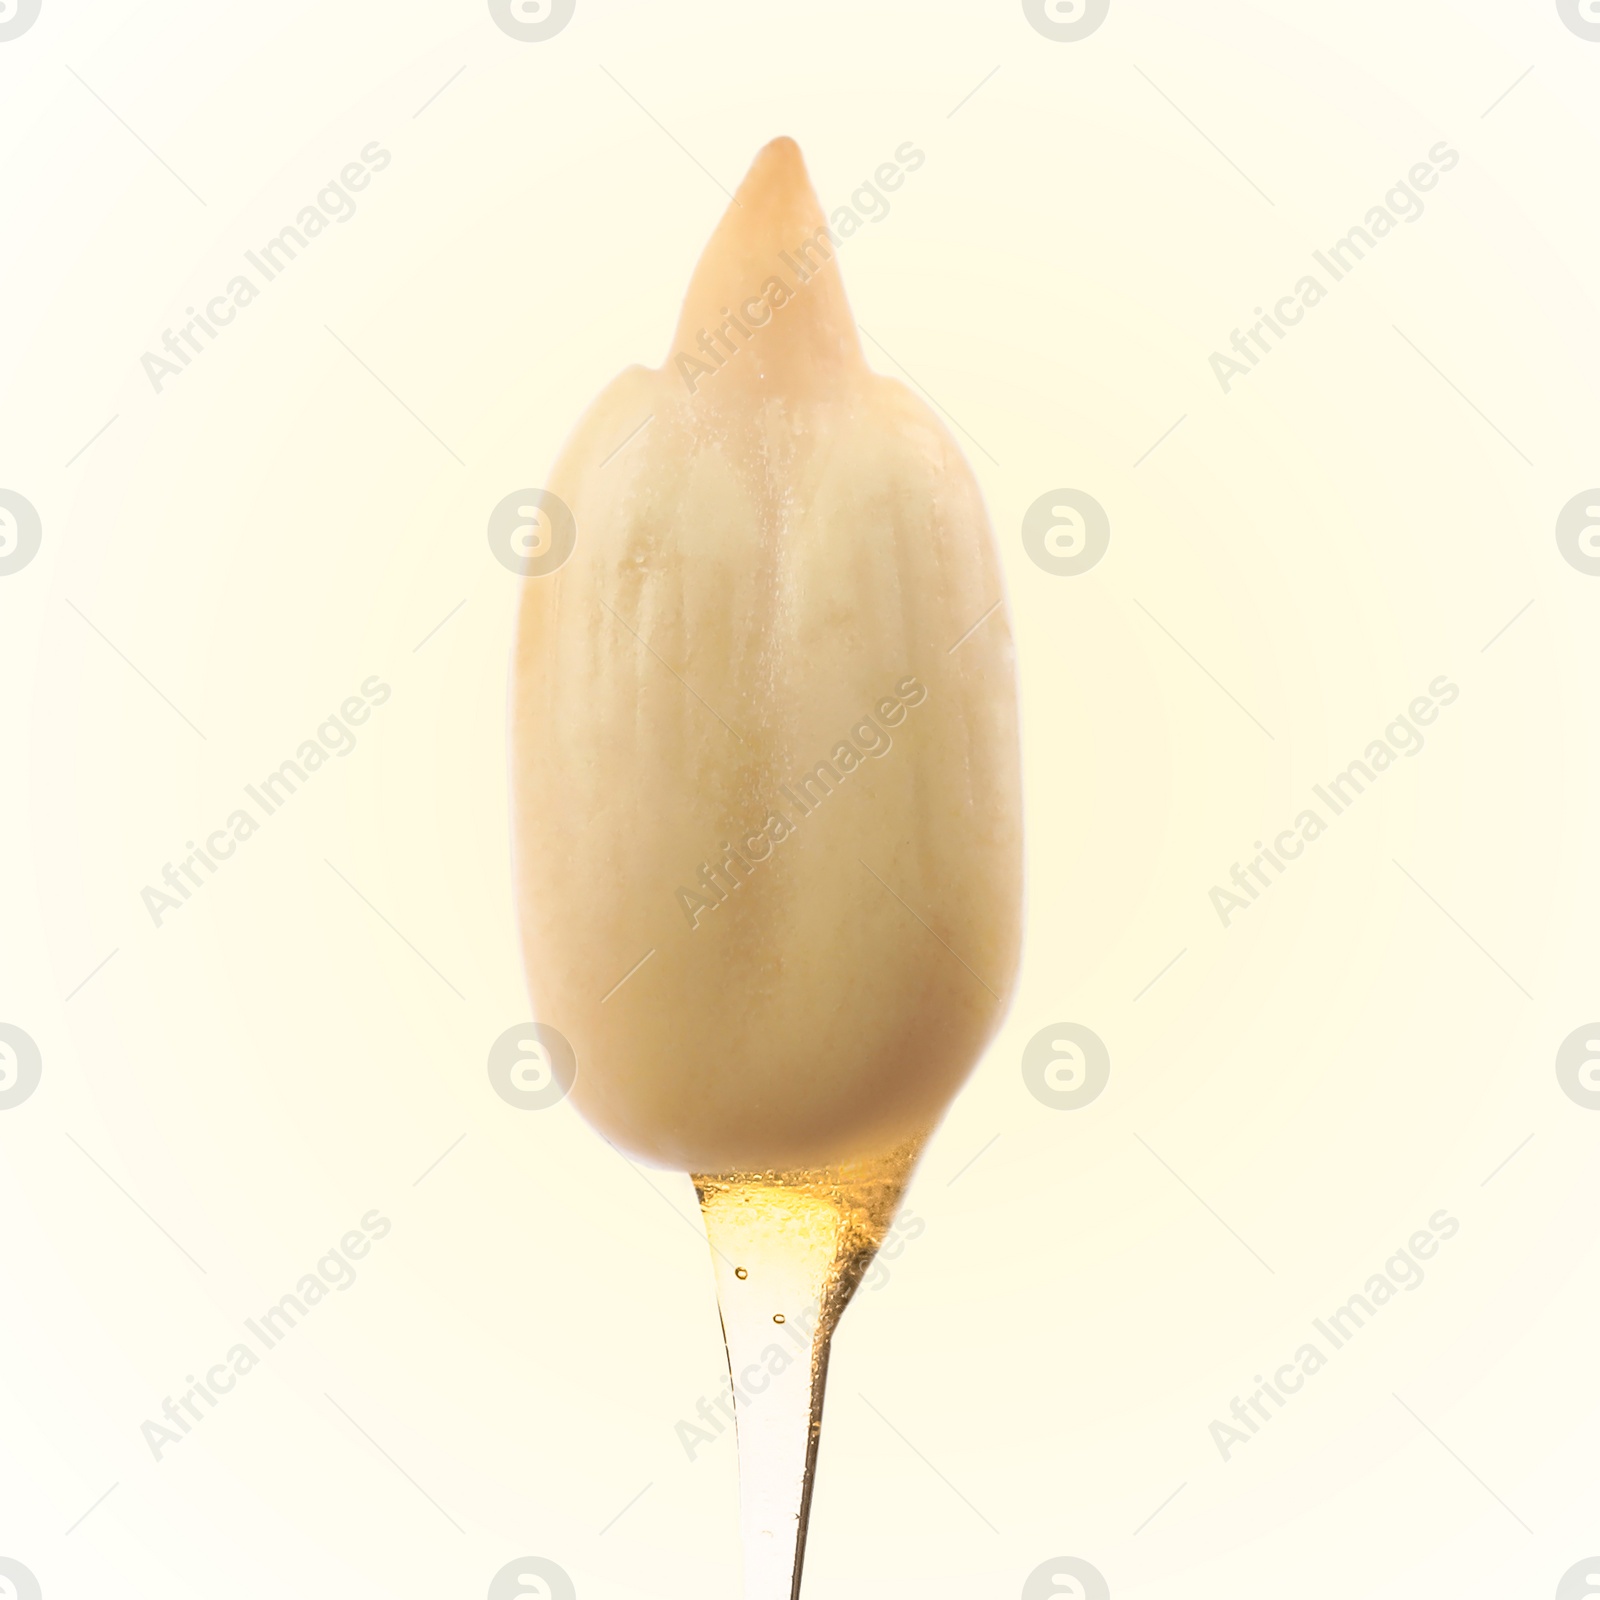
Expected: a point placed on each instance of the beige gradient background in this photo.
(1288, 1101)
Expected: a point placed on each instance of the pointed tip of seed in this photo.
(778, 165)
(766, 305)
